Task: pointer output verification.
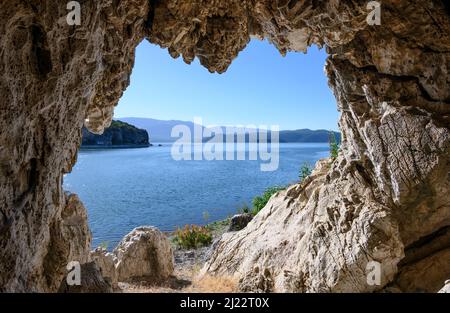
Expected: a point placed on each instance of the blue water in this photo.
(125, 188)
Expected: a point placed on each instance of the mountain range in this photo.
(160, 131)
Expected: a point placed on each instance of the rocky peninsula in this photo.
(118, 135)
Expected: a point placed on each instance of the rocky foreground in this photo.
(147, 261)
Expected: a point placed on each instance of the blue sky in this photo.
(261, 87)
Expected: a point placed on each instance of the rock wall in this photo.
(53, 77)
(385, 198)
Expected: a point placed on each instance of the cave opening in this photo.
(391, 85)
(126, 188)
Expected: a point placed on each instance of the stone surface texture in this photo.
(106, 261)
(385, 198)
(144, 252)
(92, 281)
(239, 221)
(446, 288)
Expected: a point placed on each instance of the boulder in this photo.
(92, 281)
(239, 221)
(144, 252)
(106, 262)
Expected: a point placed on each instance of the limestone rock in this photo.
(70, 239)
(144, 252)
(239, 221)
(389, 188)
(106, 263)
(92, 281)
(54, 78)
(302, 241)
(446, 288)
(425, 275)
(384, 197)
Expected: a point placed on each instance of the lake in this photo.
(125, 188)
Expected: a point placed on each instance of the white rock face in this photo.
(306, 241)
(446, 288)
(145, 252)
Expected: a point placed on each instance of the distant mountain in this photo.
(160, 131)
(118, 135)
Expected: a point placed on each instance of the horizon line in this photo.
(220, 125)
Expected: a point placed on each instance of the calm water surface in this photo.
(125, 188)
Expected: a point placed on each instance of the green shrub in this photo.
(334, 146)
(305, 171)
(104, 245)
(244, 209)
(217, 226)
(193, 236)
(260, 202)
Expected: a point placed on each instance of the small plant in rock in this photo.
(217, 226)
(244, 209)
(104, 245)
(193, 236)
(305, 171)
(260, 202)
(334, 146)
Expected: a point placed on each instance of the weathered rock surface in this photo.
(446, 288)
(303, 240)
(53, 77)
(239, 221)
(106, 263)
(388, 189)
(385, 198)
(92, 281)
(70, 240)
(144, 252)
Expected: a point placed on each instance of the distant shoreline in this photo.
(161, 130)
(99, 147)
(161, 144)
